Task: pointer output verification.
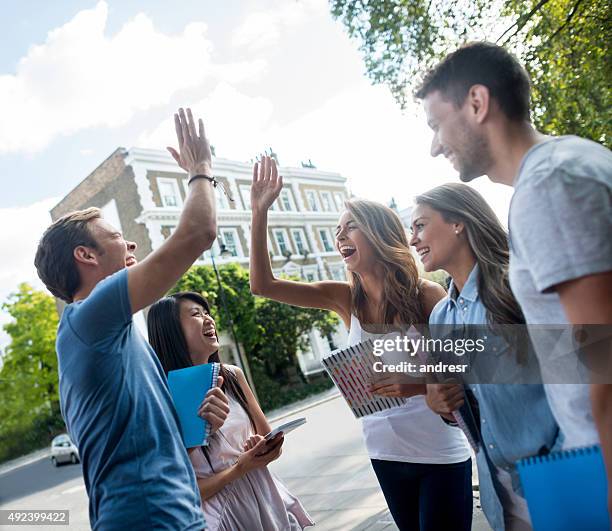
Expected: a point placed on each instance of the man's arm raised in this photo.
(196, 231)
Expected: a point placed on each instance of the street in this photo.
(323, 463)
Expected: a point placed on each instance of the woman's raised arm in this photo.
(327, 295)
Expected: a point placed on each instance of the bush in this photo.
(272, 395)
(30, 437)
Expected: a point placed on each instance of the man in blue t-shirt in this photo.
(477, 102)
(113, 392)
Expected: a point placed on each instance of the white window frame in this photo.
(339, 200)
(286, 192)
(177, 192)
(222, 202)
(337, 273)
(316, 201)
(287, 240)
(331, 240)
(310, 270)
(302, 234)
(330, 201)
(172, 229)
(245, 193)
(234, 232)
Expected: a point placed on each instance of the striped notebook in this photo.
(188, 388)
(566, 491)
(352, 372)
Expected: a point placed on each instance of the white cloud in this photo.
(19, 246)
(385, 153)
(235, 124)
(264, 29)
(360, 133)
(81, 78)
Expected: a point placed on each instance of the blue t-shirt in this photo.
(118, 410)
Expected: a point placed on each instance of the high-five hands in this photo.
(267, 184)
(215, 406)
(194, 154)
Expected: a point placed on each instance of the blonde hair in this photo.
(384, 231)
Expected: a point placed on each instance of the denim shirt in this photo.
(515, 419)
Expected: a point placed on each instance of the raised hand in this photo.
(194, 154)
(267, 184)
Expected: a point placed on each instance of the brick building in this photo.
(141, 192)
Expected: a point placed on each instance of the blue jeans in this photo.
(423, 497)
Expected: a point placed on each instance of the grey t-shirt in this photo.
(560, 229)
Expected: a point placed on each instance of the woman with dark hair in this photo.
(454, 229)
(238, 491)
(422, 465)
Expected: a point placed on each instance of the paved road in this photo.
(323, 463)
(39, 485)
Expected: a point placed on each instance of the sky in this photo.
(79, 79)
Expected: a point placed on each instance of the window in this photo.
(168, 192)
(310, 274)
(299, 238)
(337, 273)
(282, 242)
(326, 239)
(245, 192)
(168, 229)
(311, 197)
(232, 244)
(339, 199)
(326, 199)
(222, 203)
(286, 200)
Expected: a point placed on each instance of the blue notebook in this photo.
(188, 388)
(566, 491)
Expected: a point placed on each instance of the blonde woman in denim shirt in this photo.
(453, 228)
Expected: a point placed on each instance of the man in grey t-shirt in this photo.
(477, 103)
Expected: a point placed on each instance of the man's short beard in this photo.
(476, 156)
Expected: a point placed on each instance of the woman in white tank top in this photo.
(422, 464)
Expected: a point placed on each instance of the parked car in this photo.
(63, 450)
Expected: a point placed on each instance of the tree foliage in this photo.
(564, 45)
(270, 333)
(29, 409)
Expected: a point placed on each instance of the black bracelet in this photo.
(202, 176)
(214, 182)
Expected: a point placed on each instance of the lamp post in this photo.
(242, 363)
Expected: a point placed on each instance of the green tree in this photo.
(270, 333)
(29, 409)
(564, 45)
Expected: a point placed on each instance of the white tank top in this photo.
(411, 433)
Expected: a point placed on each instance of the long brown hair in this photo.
(401, 285)
(459, 203)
